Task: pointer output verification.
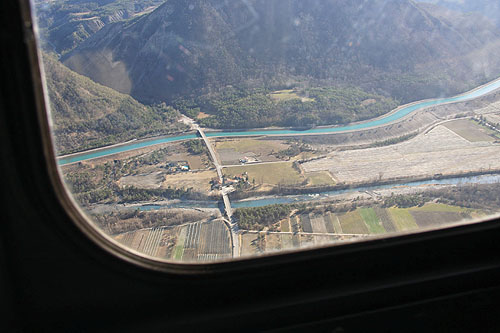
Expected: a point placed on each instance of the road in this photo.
(225, 198)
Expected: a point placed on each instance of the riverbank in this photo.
(392, 116)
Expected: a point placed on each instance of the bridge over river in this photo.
(224, 191)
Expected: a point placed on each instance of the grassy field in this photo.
(273, 242)
(402, 219)
(246, 145)
(469, 130)
(320, 178)
(372, 220)
(352, 223)
(273, 174)
(247, 244)
(287, 95)
(285, 226)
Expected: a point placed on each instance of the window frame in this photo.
(338, 285)
(103, 241)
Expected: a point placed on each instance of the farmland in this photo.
(199, 241)
(199, 180)
(402, 218)
(440, 151)
(469, 130)
(320, 178)
(272, 174)
(312, 229)
(372, 220)
(230, 151)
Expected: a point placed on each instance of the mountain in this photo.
(88, 115)
(64, 24)
(487, 8)
(396, 48)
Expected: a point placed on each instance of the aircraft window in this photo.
(210, 130)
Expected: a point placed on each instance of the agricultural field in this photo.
(435, 215)
(319, 178)
(385, 219)
(155, 242)
(285, 225)
(353, 223)
(252, 243)
(372, 220)
(230, 151)
(287, 95)
(402, 219)
(200, 180)
(305, 223)
(203, 241)
(318, 224)
(440, 151)
(469, 130)
(272, 173)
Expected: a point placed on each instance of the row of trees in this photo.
(257, 218)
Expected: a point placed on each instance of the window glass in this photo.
(206, 130)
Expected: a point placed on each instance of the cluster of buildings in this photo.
(174, 167)
(230, 181)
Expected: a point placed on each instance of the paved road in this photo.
(227, 204)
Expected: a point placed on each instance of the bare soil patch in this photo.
(200, 180)
(468, 130)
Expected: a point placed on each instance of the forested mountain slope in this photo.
(393, 47)
(64, 24)
(86, 114)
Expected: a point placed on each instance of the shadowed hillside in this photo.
(88, 115)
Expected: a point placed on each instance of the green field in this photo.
(372, 220)
(352, 223)
(320, 178)
(402, 219)
(271, 173)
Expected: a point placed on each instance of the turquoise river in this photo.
(391, 117)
